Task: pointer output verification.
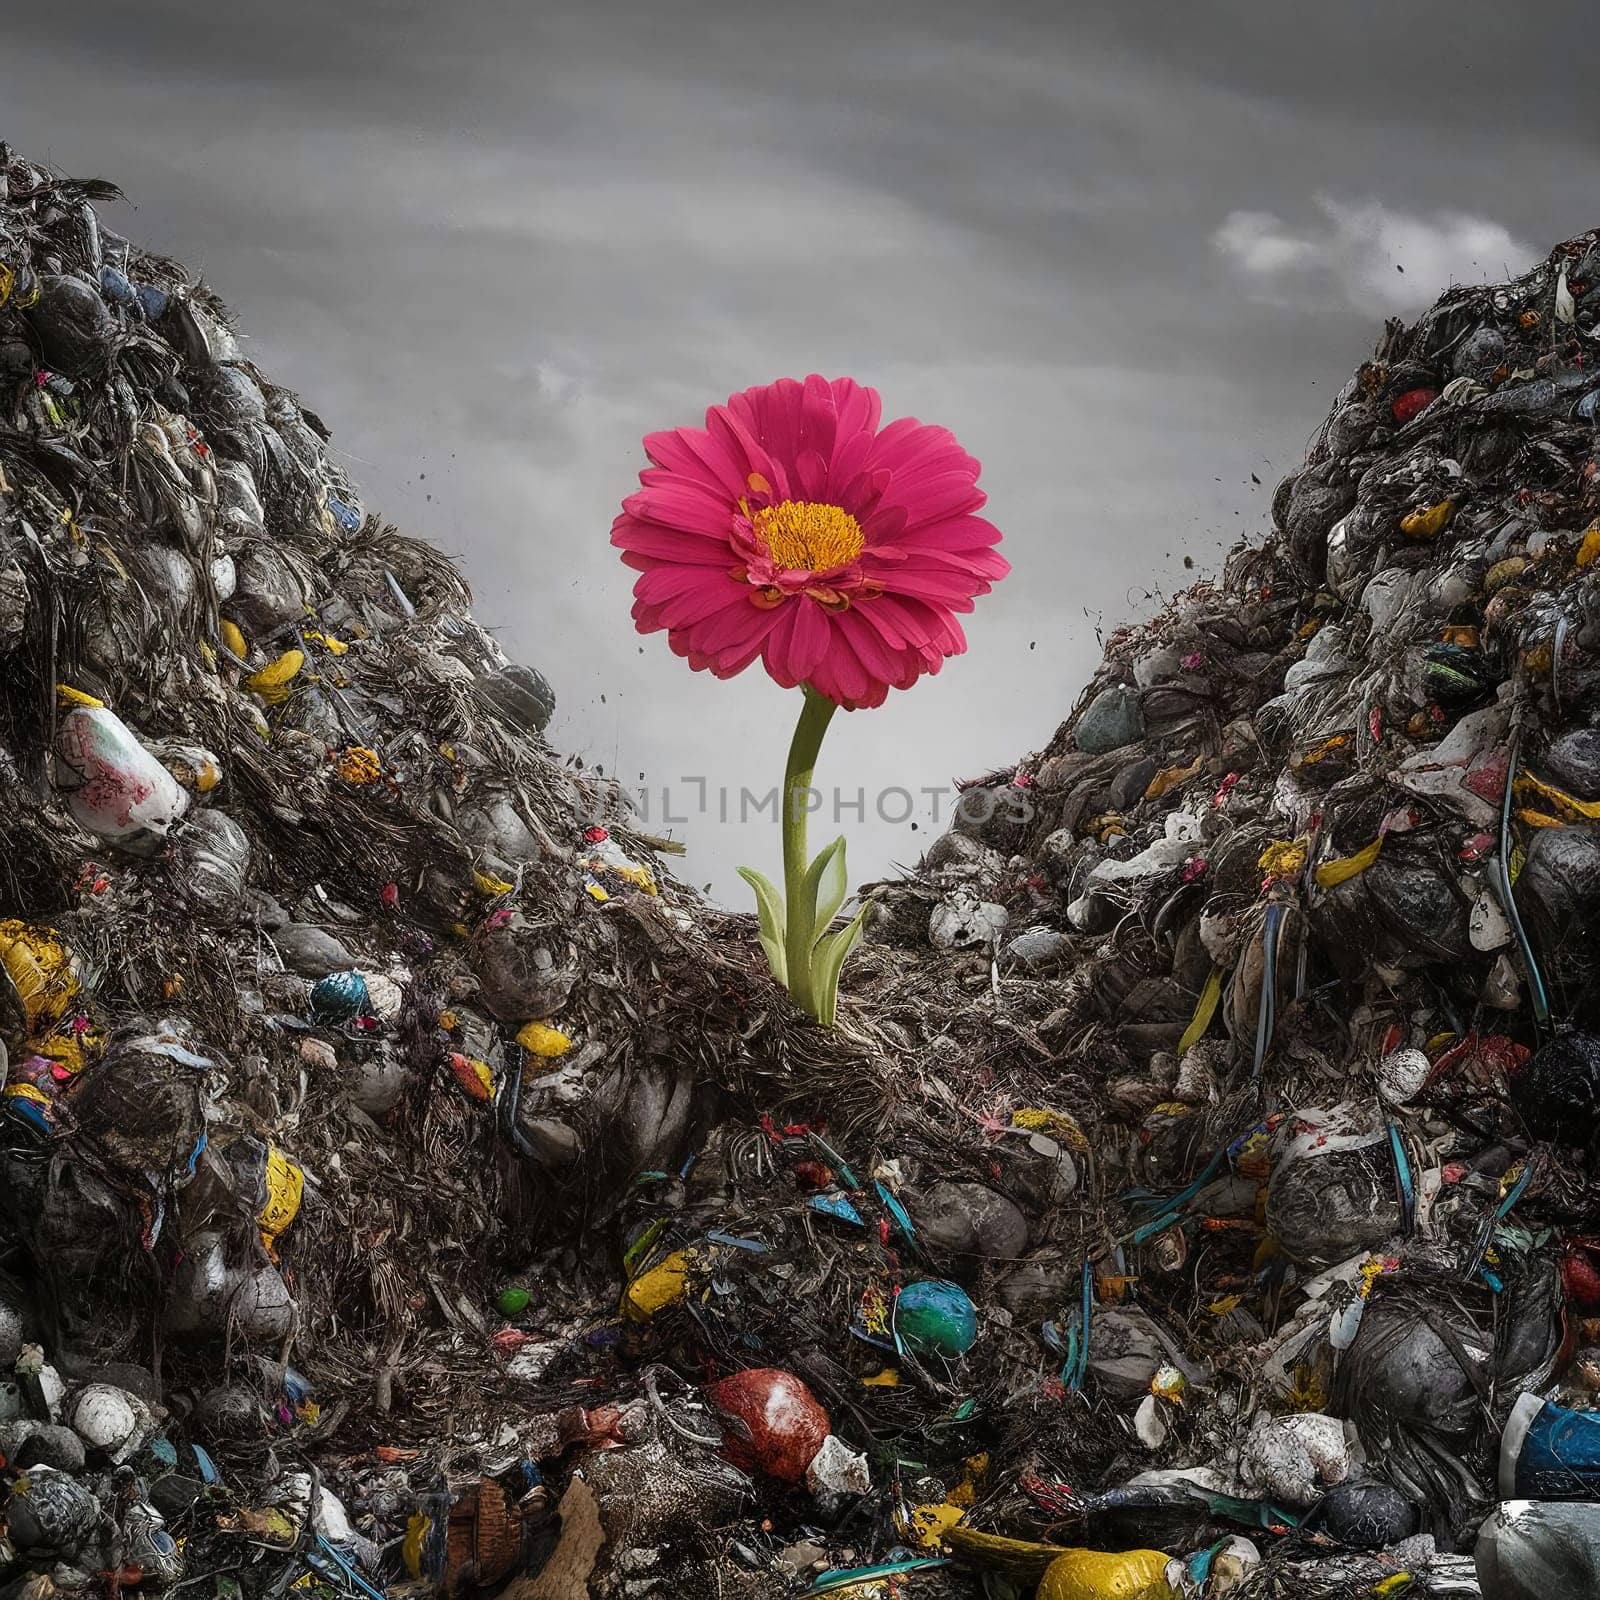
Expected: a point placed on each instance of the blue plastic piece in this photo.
(845, 1577)
(115, 287)
(1085, 1323)
(1500, 877)
(755, 1247)
(897, 1214)
(29, 1111)
(1402, 1177)
(325, 1559)
(936, 1317)
(835, 1160)
(339, 997)
(347, 518)
(1266, 1012)
(1549, 1453)
(838, 1207)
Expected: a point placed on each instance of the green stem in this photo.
(815, 715)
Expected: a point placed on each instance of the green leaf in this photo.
(828, 962)
(769, 913)
(824, 887)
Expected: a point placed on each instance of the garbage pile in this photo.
(331, 996)
(1313, 867)
(410, 1189)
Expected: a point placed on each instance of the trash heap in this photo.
(410, 1189)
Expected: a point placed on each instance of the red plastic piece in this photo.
(1413, 403)
(772, 1423)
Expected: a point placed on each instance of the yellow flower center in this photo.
(804, 535)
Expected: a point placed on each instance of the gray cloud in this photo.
(494, 244)
(1377, 259)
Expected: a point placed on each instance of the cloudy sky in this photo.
(1127, 252)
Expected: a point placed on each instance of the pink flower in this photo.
(794, 529)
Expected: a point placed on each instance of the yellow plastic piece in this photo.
(1538, 819)
(1332, 873)
(233, 638)
(41, 968)
(1320, 752)
(973, 1471)
(359, 765)
(202, 776)
(1107, 826)
(1589, 550)
(1169, 778)
(1559, 798)
(1205, 1009)
(286, 1185)
(70, 1050)
(540, 1039)
(633, 873)
(490, 888)
(1369, 1272)
(1107, 1575)
(1428, 524)
(418, 1527)
(75, 697)
(1058, 1124)
(1023, 1562)
(273, 680)
(1306, 1392)
(927, 1524)
(1169, 1384)
(663, 1285)
(1284, 858)
(889, 1378)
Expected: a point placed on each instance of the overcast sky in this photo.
(1127, 252)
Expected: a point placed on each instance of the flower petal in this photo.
(679, 596)
(694, 454)
(648, 540)
(677, 503)
(845, 680)
(811, 637)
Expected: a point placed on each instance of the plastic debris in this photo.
(772, 1423)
